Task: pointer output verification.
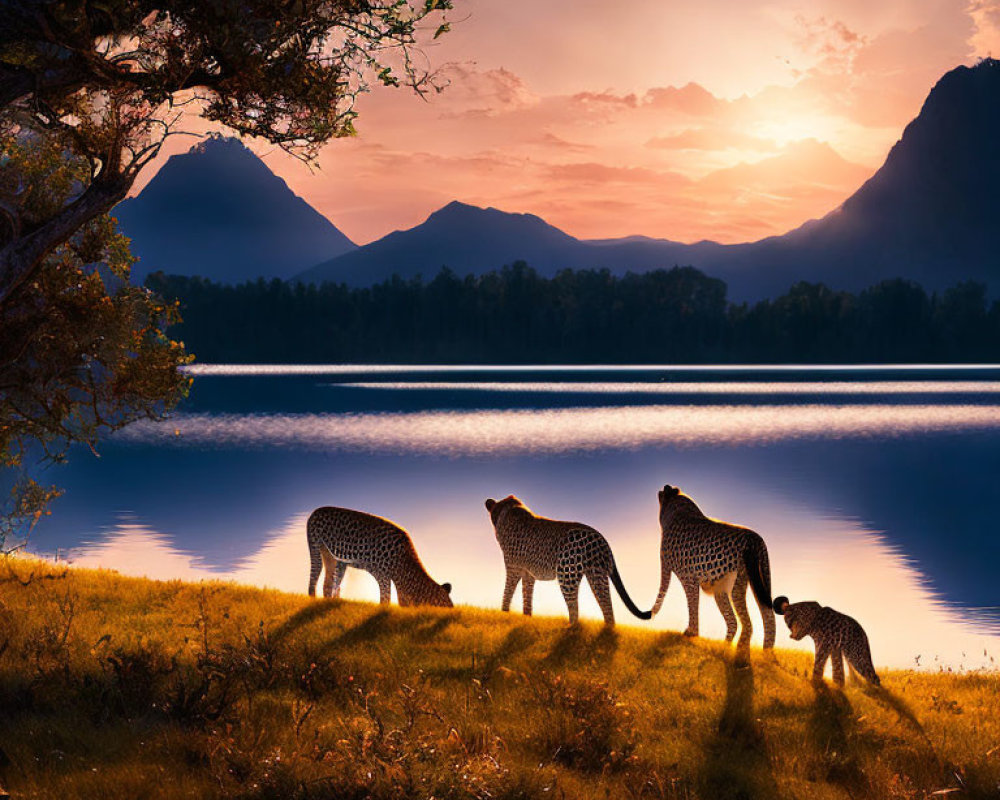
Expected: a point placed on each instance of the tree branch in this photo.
(21, 257)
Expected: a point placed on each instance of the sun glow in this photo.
(786, 129)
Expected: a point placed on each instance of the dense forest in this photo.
(590, 316)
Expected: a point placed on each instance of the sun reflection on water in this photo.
(558, 430)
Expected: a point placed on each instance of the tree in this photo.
(107, 80)
(83, 352)
(89, 91)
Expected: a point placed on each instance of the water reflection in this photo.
(558, 430)
(876, 494)
(688, 387)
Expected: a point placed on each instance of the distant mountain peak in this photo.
(218, 211)
(458, 212)
(219, 142)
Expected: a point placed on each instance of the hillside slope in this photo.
(114, 687)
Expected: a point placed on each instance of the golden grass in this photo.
(114, 687)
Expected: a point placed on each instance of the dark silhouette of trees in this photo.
(588, 316)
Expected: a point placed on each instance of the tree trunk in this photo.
(23, 255)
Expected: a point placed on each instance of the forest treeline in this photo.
(515, 315)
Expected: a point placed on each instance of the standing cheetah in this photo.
(339, 538)
(718, 557)
(536, 548)
(836, 635)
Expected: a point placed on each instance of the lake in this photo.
(875, 488)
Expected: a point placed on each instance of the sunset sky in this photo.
(722, 120)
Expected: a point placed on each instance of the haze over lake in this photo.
(875, 488)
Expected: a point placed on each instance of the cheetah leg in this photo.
(838, 666)
(692, 589)
(513, 576)
(861, 664)
(334, 574)
(601, 587)
(315, 564)
(726, 608)
(569, 585)
(767, 615)
(527, 592)
(740, 601)
(822, 654)
(384, 589)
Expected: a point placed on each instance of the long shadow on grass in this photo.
(386, 623)
(922, 761)
(573, 646)
(482, 666)
(830, 734)
(736, 762)
(303, 617)
(662, 644)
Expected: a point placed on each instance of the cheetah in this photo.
(836, 636)
(717, 556)
(537, 548)
(339, 538)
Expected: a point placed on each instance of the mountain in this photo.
(931, 214)
(217, 211)
(460, 236)
(468, 239)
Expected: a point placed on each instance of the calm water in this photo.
(875, 489)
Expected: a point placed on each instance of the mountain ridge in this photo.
(931, 213)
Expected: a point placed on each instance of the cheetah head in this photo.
(427, 592)
(799, 617)
(440, 595)
(668, 495)
(497, 507)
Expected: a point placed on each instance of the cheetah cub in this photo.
(836, 635)
(538, 548)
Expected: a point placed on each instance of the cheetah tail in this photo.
(616, 579)
(755, 558)
(665, 572)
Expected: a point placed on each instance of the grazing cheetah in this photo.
(537, 548)
(339, 538)
(836, 636)
(718, 557)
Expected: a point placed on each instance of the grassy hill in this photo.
(114, 687)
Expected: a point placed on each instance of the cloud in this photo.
(592, 172)
(689, 99)
(550, 141)
(713, 139)
(487, 93)
(985, 16)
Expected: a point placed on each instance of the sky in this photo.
(728, 120)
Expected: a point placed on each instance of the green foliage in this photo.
(588, 316)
